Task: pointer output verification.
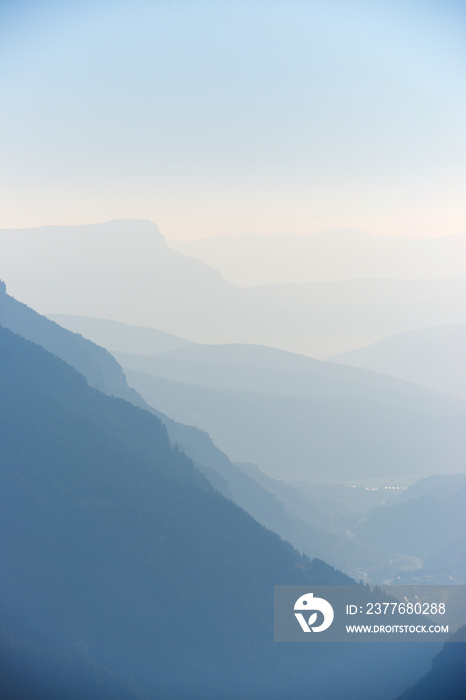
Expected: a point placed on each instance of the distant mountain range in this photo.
(110, 510)
(121, 337)
(315, 518)
(326, 520)
(103, 372)
(432, 357)
(124, 271)
(423, 523)
(298, 418)
(329, 256)
(113, 541)
(117, 550)
(317, 521)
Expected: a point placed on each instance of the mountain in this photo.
(319, 519)
(300, 418)
(106, 528)
(120, 337)
(124, 271)
(424, 524)
(119, 266)
(329, 256)
(31, 671)
(432, 357)
(305, 524)
(102, 372)
(255, 368)
(94, 362)
(266, 370)
(314, 437)
(113, 544)
(309, 536)
(447, 677)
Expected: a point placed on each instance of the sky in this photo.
(235, 116)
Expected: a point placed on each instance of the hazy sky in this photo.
(235, 117)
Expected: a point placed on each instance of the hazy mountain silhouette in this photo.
(253, 367)
(120, 337)
(123, 267)
(305, 524)
(311, 437)
(432, 357)
(103, 372)
(324, 419)
(410, 534)
(333, 255)
(331, 505)
(124, 271)
(307, 534)
(269, 371)
(105, 528)
(315, 518)
(425, 522)
(114, 544)
(95, 363)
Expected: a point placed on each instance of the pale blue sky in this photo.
(223, 117)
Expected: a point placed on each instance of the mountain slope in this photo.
(114, 543)
(114, 524)
(273, 372)
(313, 438)
(31, 671)
(103, 372)
(425, 522)
(300, 418)
(253, 367)
(132, 276)
(447, 677)
(94, 362)
(431, 357)
(120, 337)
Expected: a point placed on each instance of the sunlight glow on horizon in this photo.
(242, 117)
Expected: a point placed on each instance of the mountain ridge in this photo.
(93, 363)
(432, 357)
(134, 283)
(343, 253)
(115, 529)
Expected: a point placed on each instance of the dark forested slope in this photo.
(447, 678)
(102, 372)
(112, 543)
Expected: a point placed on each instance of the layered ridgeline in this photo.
(332, 255)
(297, 418)
(411, 535)
(422, 530)
(124, 270)
(103, 372)
(316, 521)
(116, 549)
(432, 357)
(352, 526)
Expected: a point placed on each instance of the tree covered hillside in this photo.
(116, 548)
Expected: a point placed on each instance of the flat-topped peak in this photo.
(113, 227)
